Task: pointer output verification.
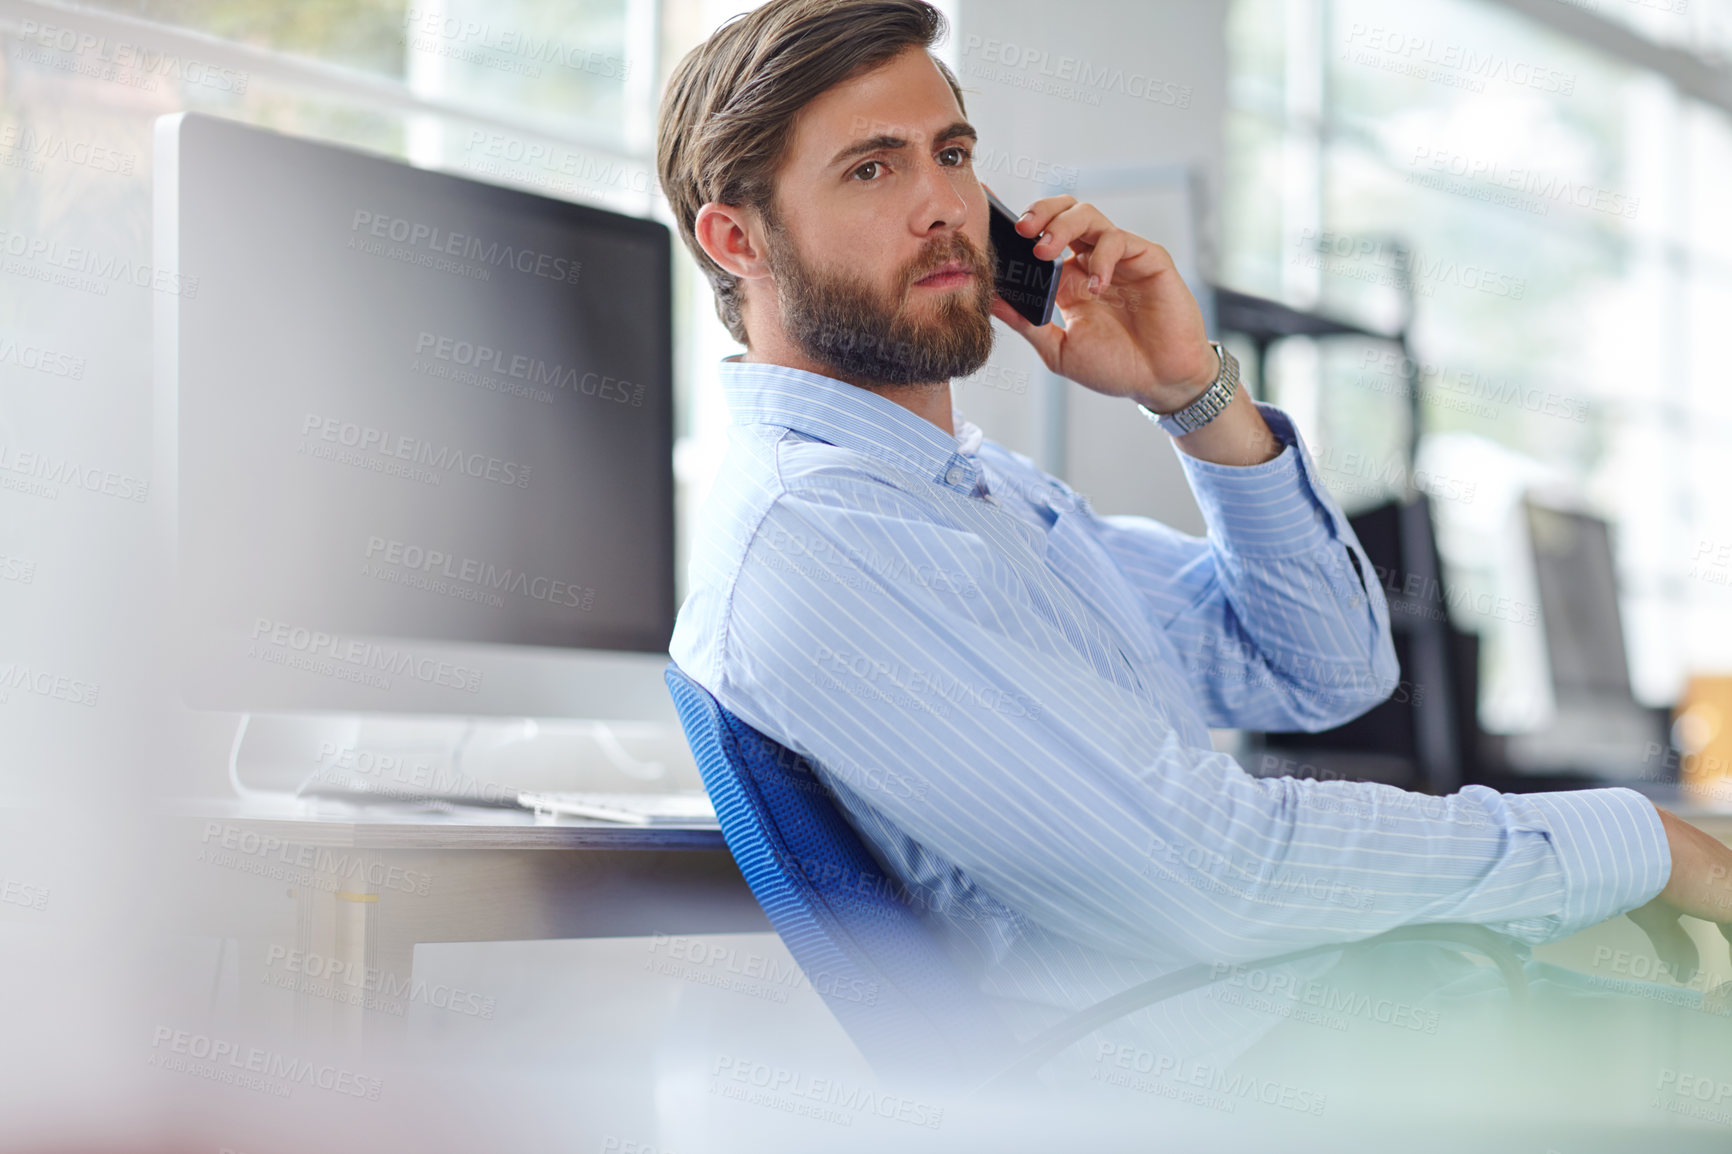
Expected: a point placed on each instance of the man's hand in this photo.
(1700, 886)
(1131, 328)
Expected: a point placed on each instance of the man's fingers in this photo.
(1040, 214)
(1077, 227)
(1073, 284)
(1101, 260)
(1672, 945)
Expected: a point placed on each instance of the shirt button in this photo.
(954, 477)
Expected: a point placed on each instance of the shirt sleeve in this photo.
(1278, 617)
(915, 668)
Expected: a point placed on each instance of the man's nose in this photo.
(942, 204)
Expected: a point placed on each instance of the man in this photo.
(1010, 695)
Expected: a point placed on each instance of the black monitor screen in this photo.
(1579, 599)
(413, 405)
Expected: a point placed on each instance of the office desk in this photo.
(312, 891)
(360, 887)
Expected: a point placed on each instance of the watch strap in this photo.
(1209, 405)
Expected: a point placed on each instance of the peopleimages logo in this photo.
(1540, 189)
(316, 650)
(16, 893)
(76, 259)
(561, 169)
(256, 1068)
(44, 472)
(27, 355)
(793, 1091)
(849, 557)
(228, 845)
(1422, 56)
(471, 40)
(393, 775)
(874, 674)
(723, 967)
(1472, 385)
(1280, 983)
(1344, 255)
(332, 438)
(127, 56)
(535, 371)
(437, 241)
(1071, 76)
(483, 578)
(22, 678)
(1344, 469)
(1220, 1089)
(26, 141)
(1266, 883)
(374, 989)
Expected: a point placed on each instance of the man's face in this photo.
(878, 241)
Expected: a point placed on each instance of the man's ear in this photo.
(731, 236)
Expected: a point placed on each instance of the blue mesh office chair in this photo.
(902, 1000)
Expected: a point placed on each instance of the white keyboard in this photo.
(690, 807)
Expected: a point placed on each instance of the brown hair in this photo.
(729, 109)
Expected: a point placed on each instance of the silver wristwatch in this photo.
(1206, 407)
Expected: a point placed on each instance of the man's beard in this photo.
(849, 326)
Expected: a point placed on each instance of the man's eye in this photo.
(872, 164)
(963, 155)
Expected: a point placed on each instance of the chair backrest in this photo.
(903, 1001)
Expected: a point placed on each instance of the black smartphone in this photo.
(1027, 283)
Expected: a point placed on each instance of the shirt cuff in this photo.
(1275, 509)
(1609, 843)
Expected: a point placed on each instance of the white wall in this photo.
(1155, 94)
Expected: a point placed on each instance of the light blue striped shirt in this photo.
(1011, 697)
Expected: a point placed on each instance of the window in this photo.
(1558, 209)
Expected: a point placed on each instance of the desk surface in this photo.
(404, 825)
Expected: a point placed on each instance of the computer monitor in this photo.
(417, 433)
(1578, 586)
(1597, 726)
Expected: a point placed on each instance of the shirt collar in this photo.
(848, 416)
